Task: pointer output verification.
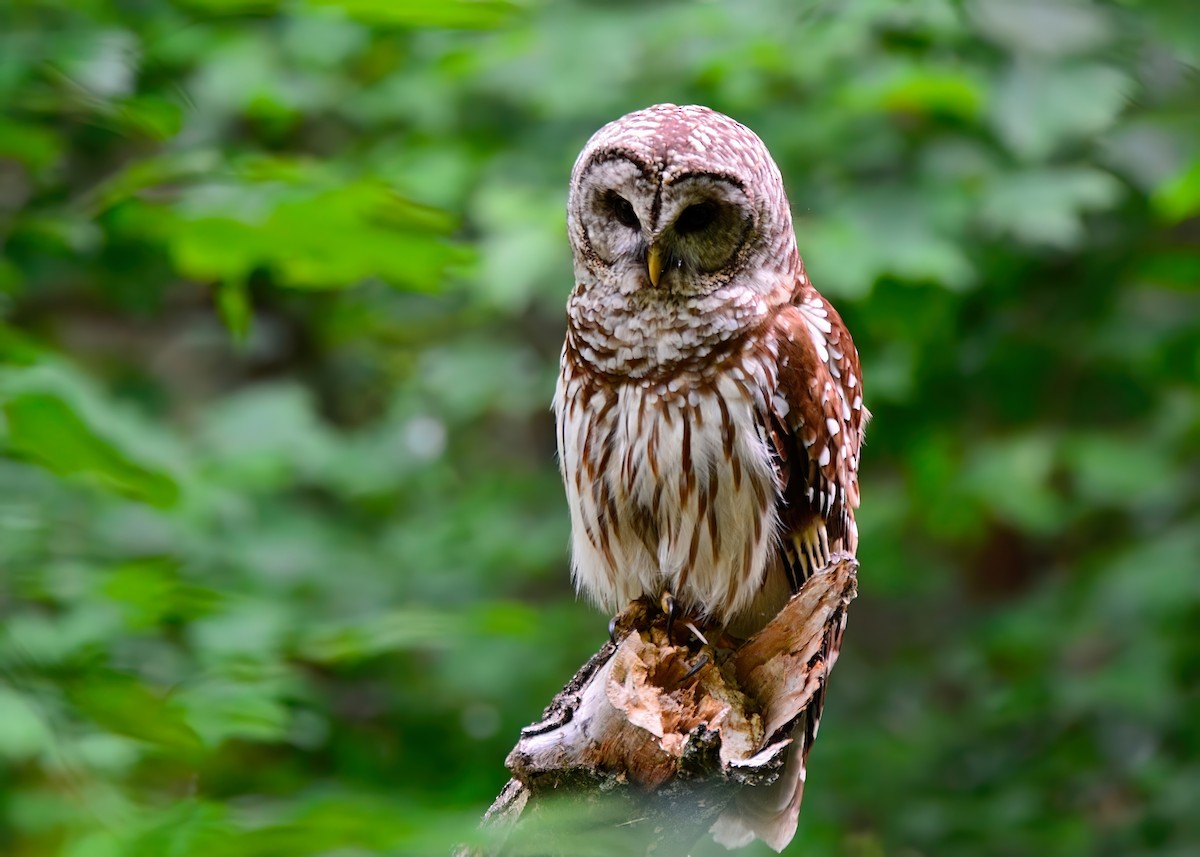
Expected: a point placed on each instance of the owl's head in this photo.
(679, 201)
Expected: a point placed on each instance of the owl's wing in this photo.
(815, 429)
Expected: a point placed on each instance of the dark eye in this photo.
(696, 218)
(622, 210)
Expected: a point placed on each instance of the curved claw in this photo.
(701, 663)
(671, 607)
(612, 629)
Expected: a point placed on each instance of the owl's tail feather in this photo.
(770, 812)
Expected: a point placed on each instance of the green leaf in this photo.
(1048, 27)
(1013, 477)
(467, 14)
(169, 168)
(151, 116)
(312, 237)
(1047, 206)
(123, 704)
(23, 732)
(153, 592)
(1179, 198)
(882, 234)
(233, 7)
(233, 303)
(35, 147)
(391, 631)
(44, 428)
(1039, 107)
(1123, 471)
(920, 90)
(17, 348)
(221, 708)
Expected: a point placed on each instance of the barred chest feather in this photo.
(672, 485)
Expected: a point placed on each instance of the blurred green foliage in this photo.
(282, 545)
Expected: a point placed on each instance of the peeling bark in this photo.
(650, 741)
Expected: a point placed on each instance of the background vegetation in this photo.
(282, 545)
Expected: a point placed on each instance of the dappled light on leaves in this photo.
(282, 544)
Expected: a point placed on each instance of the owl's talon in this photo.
(670, 607)
(701, 663)
(612, 629)
(696, 633)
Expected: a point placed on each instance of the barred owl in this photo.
(709, 405)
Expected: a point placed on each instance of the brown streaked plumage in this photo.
(709, 406)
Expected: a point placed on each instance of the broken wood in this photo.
(650, 741)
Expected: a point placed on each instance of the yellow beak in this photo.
(654, 264)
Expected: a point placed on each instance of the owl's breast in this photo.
(657, 336)
(671, 483)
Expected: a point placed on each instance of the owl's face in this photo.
(678, 202)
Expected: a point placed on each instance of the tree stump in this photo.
(650, 741)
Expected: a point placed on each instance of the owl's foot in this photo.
(643, 614)
(637, 615)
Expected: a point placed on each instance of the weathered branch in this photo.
(649, 742)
